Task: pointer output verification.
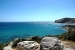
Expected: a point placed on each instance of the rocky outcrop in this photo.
(51, 43)
(70, 34)
(65, 20)
(27, 45)
(8, 47)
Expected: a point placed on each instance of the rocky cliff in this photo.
(65, 20)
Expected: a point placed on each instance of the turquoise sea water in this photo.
(12, 30)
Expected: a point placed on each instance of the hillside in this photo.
(65, 20)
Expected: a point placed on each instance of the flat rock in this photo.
(8, 48)
(27, 45)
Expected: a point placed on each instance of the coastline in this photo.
(10, 31)
(64, 42)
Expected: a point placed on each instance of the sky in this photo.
(36, 10)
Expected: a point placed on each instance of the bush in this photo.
(17, 41)
(1, 46)
(36, 38)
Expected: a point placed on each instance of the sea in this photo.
(11, 30)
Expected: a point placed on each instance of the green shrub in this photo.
(70, 35)
(1, 46)
(36, 38)
(17, 41)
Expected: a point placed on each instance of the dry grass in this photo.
(69, 44)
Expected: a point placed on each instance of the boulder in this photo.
(7, 48)
(27, 45)
(51, 43)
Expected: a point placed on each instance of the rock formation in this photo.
(65, 20)
(27, 45)
(51, 43)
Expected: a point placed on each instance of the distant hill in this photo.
(65, 20)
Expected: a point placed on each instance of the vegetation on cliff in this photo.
(70, 35)
(1, 46)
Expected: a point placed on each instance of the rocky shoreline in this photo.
(68, 45)
(44, 43)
